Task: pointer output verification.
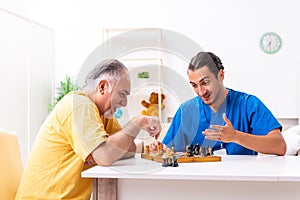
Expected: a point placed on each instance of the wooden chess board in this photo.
(182, 158)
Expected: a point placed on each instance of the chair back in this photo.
(11, 166)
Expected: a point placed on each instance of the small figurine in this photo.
(160, 151)
(205, 151)
(165, 161)
(191, 150)
(172, 150)
(197, 149)
(175, 163)
(170, 161)
(147, 149)
(210, 151)
(168, 150)
(186, 151)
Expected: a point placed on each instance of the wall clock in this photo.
(270, 42)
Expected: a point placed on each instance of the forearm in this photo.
(131, 151)
(116, 146)
(113, 149)
(120, 143)
(273, 143)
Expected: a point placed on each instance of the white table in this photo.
(235, 177)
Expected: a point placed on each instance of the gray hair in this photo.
(111, 70)
(208, 59)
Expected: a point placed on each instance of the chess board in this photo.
(182, 158)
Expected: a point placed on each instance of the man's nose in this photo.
(124, 102)
(200, 90)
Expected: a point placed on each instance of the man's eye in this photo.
(122, 94)
(205, 82)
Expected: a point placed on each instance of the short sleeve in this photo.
(262, 121)
(87, 129)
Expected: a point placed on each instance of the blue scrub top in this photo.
(246, 113)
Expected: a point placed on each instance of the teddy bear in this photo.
(152, 105)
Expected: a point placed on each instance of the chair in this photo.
(292, 140)
(11, 167)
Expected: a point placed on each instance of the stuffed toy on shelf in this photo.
(152, 106)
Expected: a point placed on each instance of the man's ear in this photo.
(221, 73)
(102, 86)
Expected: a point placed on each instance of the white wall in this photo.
(231, 29)
(26, 76)
(19, 7)
(79, 25)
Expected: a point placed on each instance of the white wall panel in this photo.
(26, 76)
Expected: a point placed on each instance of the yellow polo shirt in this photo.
(67, 137)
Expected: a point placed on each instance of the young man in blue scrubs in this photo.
(220, 117)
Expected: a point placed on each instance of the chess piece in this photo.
(165, 162)
(206, 150)
(170, 161)
(172, 150)
(197, 149)
(186, 151)
(168, 151)
(147, 149)
(210, 151)
(192, 148)
(175, 163)
(160, 151)
(190, 151)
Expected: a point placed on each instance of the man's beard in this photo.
(108, 114)
(213, 97)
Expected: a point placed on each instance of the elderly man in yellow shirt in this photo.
(81, 131)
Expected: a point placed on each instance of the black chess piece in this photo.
(170, 163)
(191, 150)
(197, 149)
(206, 150)
(175, 163)
(165, 162)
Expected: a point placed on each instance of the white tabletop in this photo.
(236, 168)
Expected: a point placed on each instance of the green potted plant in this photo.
(143, 74)
(66, 85)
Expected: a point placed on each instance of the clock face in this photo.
(270, 42)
